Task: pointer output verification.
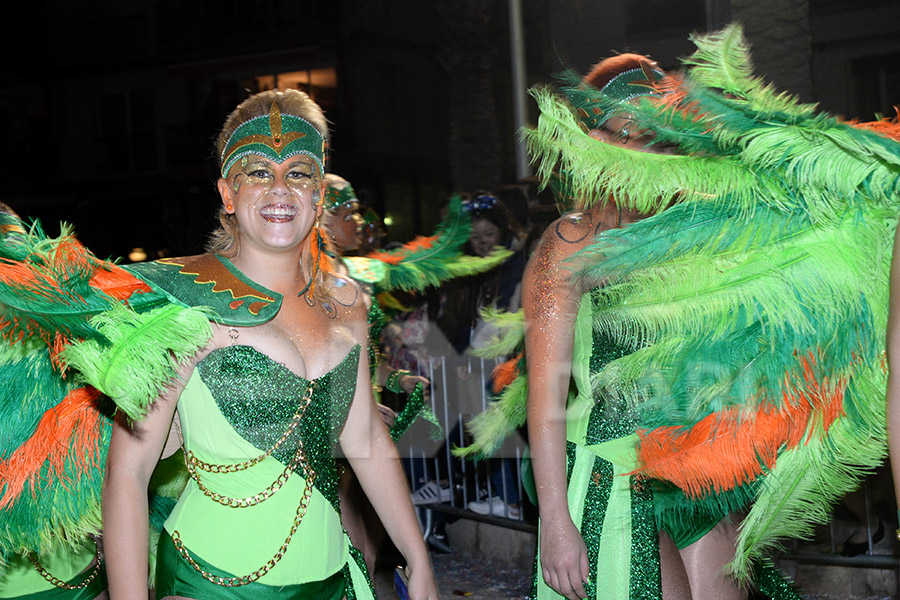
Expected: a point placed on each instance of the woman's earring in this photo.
(316, 246)
(228, 207)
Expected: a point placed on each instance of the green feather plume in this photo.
(501, 418)
(640, 181)
(466, 265)
(413, 268)
(797, 493)
(49, 292)
(777, 249)
(510, 336)
(142, 353)
(64, 506)
(722, 61)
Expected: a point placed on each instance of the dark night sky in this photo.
(113, 106)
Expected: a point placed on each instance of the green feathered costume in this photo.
(79, 331)
(60, 305)
(753, 301)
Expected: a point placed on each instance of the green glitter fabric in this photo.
(376, 320)
(594, 486)
(359, 585)
(771, 583)
(613, 511)
(595, 504)
(259, 397)
(610, 418)
(414, 408)
(646, 577)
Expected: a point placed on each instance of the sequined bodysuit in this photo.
(238, 405)
(612, 510)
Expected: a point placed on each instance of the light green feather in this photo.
(641, 181)
(501, 418)
(143, 353)
(722, 61)
(510, 334)
(810, 477)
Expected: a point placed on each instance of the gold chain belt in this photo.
(299, 459)
(255, 575)
(62, 584)
(241, 466)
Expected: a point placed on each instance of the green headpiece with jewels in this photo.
(335, 196)
(276, 136)
(594, 107)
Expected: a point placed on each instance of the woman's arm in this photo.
(373, 456)
(893, 355)
(134, 451)
(550, 301)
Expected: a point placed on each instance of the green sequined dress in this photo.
(238, 404)
(613, 510)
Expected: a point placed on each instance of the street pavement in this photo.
(459, 576)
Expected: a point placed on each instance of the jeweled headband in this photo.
(276, 136)
(595, 107)
(480, 203)
(336, 197)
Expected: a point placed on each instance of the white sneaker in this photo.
(431, 493)
(495, 506)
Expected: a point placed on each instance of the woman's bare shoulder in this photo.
(565, 236)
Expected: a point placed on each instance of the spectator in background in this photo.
(460, 320)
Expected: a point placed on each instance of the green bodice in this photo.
(259, 397)
(237, 405)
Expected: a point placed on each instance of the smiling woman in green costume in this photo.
(262, 406)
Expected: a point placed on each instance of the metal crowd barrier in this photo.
(470, 481)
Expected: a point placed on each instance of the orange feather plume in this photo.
(505, 373)
(117, 282)
(321, 255)
(888, 127)
(392, 257)
(728, 449)
(74, 422)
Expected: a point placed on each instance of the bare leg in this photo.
(675, 584)
(705, 560)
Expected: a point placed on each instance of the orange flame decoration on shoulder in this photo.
(392, 257)
(728, 449)
(73, 423)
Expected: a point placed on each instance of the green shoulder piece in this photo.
(211, 280)
(365, 270)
